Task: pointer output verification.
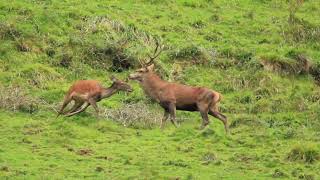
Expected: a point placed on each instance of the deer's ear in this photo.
(113, 79)
(151, 67)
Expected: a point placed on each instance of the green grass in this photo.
(83, 147)
(274, 116)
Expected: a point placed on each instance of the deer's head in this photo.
(120, 85)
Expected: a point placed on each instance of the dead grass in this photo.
(8, 31)
(299, 64)
(14, 98)
(135, 115)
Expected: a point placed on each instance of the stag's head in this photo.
(147, 67)
(120, 85)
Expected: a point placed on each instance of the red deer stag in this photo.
(174, 96)
(89, 92)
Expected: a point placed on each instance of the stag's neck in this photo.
(151, 85)
(107, 92)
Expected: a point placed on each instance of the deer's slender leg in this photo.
(94, 105)
(172, 110)
(222, 118)
(205, 119)
(79, 110)
(64, 105)
(164, 119)
(203, 106)
(75, 107)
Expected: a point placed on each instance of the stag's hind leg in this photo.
(203, 107)
(215, 113)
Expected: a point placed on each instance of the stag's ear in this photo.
(151, 67)
(113, 79)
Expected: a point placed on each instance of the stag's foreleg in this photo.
(164, 119)
(172, 111)
(169, 109)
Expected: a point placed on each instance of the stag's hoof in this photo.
(176, 125)
(204, 126)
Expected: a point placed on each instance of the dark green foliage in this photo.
(307, 154)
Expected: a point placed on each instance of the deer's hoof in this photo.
(203, 126)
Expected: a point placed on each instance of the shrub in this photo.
(315, 72)
(111, 51)
(299, 65)
(194, 54)
(134, 115)
(209, 158)
(8, 31)
(14, 98)
(304, 153)
(301, 31)
(39, 75)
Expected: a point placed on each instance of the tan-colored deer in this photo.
(174, 96)
(88, 92)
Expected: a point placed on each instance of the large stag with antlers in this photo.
(174, 96)
(88, 92)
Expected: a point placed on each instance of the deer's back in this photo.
(86, 87)
(185, 93)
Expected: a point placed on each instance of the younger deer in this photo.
(89, 92)
(174, 96)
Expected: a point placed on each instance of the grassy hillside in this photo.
(262, 55)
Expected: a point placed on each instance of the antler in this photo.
(156, 53)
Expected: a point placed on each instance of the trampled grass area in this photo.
(249, 50)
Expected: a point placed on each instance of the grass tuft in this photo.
(304, 153)
(134, 115)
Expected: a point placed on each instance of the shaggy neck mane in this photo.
(151, 84)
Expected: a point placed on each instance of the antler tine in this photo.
(156, 53)
(141, 62)
(157, 46)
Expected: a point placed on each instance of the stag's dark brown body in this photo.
(174, 96)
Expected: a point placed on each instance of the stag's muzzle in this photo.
(133, 76)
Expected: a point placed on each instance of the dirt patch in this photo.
(85, 152)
